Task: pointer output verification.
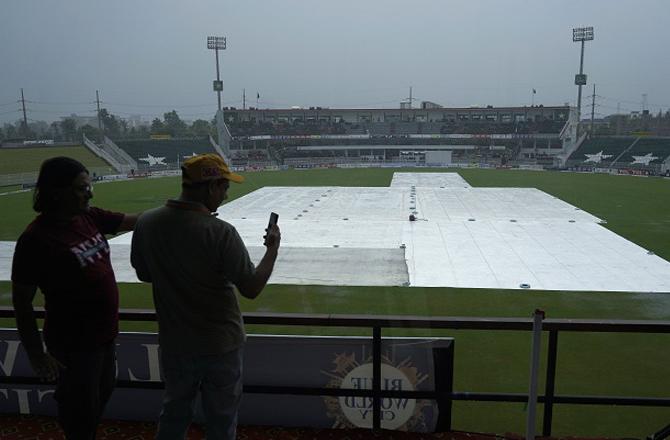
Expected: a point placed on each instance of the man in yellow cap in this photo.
(194, 261)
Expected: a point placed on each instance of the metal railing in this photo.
(442, 393)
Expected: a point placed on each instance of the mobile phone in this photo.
(274, 217)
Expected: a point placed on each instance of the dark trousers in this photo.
(83, 389)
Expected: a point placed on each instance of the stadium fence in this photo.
(443, 393)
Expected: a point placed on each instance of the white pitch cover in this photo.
(498, 238)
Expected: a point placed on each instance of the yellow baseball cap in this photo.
(204, 167)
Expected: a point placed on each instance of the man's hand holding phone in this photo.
(272, 235)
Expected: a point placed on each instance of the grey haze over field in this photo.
(148, 57)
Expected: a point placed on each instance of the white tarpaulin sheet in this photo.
(447, 180)
(502, 238)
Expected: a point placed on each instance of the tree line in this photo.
(114, 127)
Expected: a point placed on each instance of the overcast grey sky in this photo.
(149, 56)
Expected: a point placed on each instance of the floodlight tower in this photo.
(217, 43)
(582, 35)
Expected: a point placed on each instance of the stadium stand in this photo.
(163, 154)
(636, 155)
(247, 128)
(659, 148)
(251, 158)
(610, 146)
(493, 137)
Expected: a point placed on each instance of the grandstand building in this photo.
(534, 137)
(430, 135)
(489, 114)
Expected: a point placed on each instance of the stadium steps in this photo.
(102, 154)
(124, 158)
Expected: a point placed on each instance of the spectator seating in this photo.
(657, 147)
(611, 146)
(251, 158)
(397, 128)
(172, 151)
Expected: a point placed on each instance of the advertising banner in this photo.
(408, 364)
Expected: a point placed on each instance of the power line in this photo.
(55, 112)
(617, 108)
(60, 103)
(156, 105)
(633, 102)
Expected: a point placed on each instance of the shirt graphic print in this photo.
(91, 250)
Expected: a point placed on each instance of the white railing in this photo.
(218, 149)
(132, 163)
(563, 158)
(104, 155)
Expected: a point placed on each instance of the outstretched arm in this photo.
(128, 222)
(253, 286)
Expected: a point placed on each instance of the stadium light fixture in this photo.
(581, 34)
(216, 44)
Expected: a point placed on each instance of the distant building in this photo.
(428, 105)
(80, 121)
(136, 121)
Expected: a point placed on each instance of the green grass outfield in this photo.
(28, 159)
(588, 363)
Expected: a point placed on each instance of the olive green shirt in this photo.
(193, 261)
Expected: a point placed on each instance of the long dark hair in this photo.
(55, 174)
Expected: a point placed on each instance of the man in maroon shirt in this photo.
(64, 252)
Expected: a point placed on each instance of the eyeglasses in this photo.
(83, 188)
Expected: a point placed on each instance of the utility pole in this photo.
(593, 108)
(645, 113)
(410, 97)
(244, 99)
(618, 118)
(25, 118)
(102, 134)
